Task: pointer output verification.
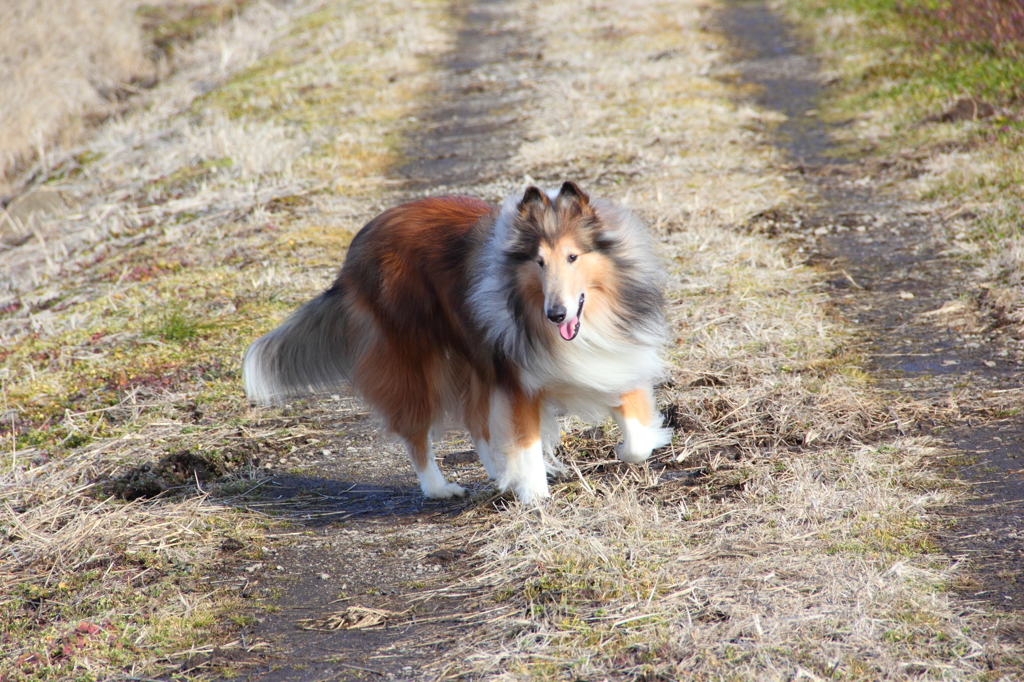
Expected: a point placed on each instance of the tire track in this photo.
(374, 542)
(890, 272)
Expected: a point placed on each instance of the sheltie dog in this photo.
(451, 311)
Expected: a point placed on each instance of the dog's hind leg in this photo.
(477, 413)
(432, 481)
(640, 424)
(396, 380)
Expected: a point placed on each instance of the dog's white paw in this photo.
(445, 491)
(631, 455)
(532, 494)
(526, 474)
(641, 441)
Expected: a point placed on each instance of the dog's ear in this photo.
(574, 199)
(533, 203)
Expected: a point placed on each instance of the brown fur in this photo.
(636, 405)
(397, 323)
(407, 268)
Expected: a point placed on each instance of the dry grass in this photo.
(92, 585)
(812, 570)
(757, 362)
(184, 228)
(61, 60)
(781, 535)
(903, 66)
(65, 66)
(784, 534)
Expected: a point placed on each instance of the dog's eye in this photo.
(573, 257)
(540, 262)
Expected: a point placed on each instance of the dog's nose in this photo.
(556, 313)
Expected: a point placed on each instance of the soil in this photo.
(371, 541)
(891, 271)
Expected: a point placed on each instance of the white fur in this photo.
(639, 440)
(598, 360)
(432, 481)
(586, 376)
(526, 474)
(494, 466)
(523, 469)
(259, 386)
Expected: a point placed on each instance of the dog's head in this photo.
(561, 251)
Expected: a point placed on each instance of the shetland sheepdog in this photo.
(451, 311)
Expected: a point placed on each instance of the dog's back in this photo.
(395, 311)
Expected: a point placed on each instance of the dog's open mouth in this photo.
(570, 328)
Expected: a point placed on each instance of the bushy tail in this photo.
(311, 352)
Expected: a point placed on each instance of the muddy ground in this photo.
(372, 541)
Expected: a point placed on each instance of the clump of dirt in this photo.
(175, 471)
(964, 109)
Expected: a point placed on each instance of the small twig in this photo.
(852, 280)
(366, 670)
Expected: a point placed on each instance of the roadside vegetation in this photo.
(67, 66)
(933, 92)
(785, 534)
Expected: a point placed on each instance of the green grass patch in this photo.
(912, 53)
(177, 325)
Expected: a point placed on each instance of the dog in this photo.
(449, 310)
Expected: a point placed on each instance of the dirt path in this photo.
(891, 271)
(785, 533)
(375, 543)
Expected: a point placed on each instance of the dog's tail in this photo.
(311, 352)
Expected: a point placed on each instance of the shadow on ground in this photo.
(314, 501)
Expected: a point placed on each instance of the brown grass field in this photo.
(786, 534)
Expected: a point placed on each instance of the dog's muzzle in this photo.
(568, 329)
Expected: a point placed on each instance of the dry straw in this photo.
(784, 534)
(179, 229)
(61, 60)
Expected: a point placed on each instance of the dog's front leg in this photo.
(640, 424)
(432, 481)
(516, 420)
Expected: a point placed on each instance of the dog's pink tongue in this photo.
(568, 329)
